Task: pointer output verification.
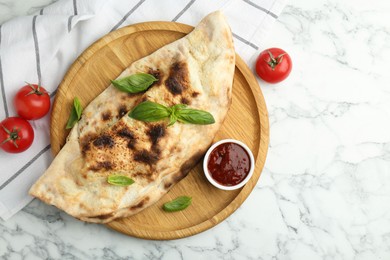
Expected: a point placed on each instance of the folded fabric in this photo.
(40, 48)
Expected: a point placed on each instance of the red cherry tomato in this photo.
(32, 102)
(16, 135)
(273, 65)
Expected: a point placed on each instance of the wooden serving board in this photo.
(247, 121)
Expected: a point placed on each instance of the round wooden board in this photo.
(247, 120)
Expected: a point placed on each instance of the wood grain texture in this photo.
(247, 121)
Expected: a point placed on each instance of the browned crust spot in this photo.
(147, 176)
(122, 110)
(156, 132)
(177, 80)
(145, 156)
(85, 142)
(106, 116)
(141, 174)
(140, 204)
(195, 94)
(189, 164)
(184, 170)
(85, 148)
(134, 94)
(185, 101)
(157, 74)
(174, 149)
(107, 165)
(104, 141)
(104, 216)
(126, 134)
(168, 185)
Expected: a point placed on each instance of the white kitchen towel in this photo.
(40, 48)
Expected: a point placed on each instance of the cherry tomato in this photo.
(32, 102)
(16, 135)
(273, 65)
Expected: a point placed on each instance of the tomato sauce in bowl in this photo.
(228, 164)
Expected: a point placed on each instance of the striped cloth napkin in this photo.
(40, 49)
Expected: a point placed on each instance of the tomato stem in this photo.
(273, 62)
(35, 90)
(13, 136)
(6, 130)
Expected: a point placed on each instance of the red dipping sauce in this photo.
(229, 164)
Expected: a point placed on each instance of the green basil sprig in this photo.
(194, 116)
(75, 115)
(119, 180)
(150, 112)
(177, 204)
(134, 83)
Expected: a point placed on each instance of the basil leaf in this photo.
(172, 119)
(72, 119)
(134, 83)
(77, 106)
(119, 180)
(177, 204)
(194, 116)
(75, 114)
(149, 111)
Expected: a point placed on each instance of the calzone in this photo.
(196, 70)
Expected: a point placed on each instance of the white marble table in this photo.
(325, 190)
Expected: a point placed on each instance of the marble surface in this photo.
(325, 190)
